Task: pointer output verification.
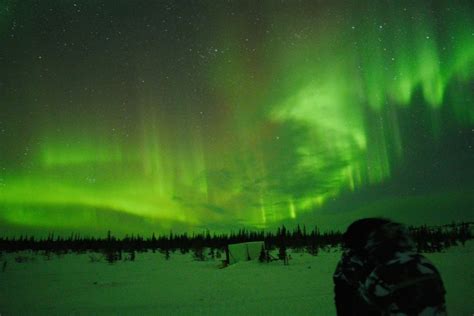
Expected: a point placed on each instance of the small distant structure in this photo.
(244, 251)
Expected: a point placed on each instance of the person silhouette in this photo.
(380, 273)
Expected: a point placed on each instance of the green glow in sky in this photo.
(219, 115)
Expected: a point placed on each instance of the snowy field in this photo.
(72, 284)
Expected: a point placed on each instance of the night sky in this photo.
(141, 116)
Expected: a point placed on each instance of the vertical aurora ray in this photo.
(244, 115)
(393, 57)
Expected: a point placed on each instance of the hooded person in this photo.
(380, 273)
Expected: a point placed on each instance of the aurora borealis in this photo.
(142, 116)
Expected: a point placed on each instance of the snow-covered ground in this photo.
(73, 284)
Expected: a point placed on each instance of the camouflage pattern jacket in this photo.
(388, 278)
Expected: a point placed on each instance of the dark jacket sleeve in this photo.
(343, 298)
(349, 274)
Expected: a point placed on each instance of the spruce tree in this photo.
(263, 255)
(282, 255)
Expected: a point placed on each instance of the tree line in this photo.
(439, 238)
(205, 244)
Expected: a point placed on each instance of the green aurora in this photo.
(141, 116)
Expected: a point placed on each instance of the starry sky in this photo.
(149, 116)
